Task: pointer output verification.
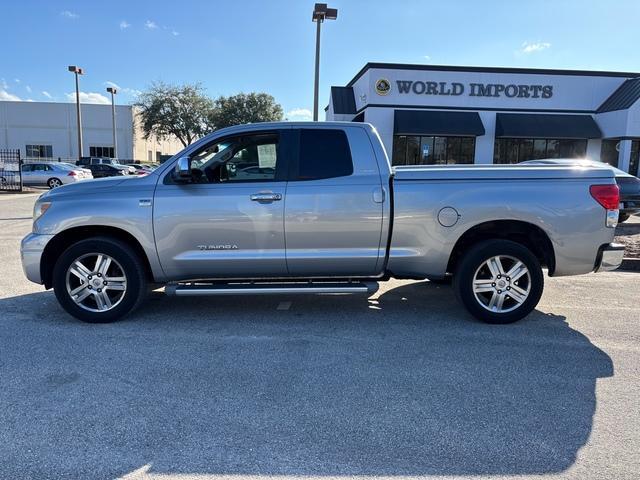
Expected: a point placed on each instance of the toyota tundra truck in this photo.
(301, 208)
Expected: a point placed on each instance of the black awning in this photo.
(531, 125)
(343, 100)
(437, 122)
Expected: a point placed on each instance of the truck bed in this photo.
(498, 172)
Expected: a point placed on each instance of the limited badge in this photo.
(383, 87)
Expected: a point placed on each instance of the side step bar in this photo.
(269, 288)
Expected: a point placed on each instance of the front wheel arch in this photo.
(60, 242)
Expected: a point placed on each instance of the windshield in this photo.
(67, 166)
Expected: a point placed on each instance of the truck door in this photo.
(334, 205)
(229, 222)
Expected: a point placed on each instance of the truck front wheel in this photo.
(99, 280)
(499, 281)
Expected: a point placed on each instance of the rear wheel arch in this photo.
(63, 240)
(527, 234)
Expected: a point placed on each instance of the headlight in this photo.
(39, 208)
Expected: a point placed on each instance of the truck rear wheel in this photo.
(99, 280)
(499, 281)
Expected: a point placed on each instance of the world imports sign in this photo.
(417, 87)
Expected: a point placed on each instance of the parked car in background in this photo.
(140, 169)
(628, 184)
(86, 161)
(52, 174)
(74, 166)
(101, 170)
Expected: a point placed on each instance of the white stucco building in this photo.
(49, 130)
(427, 114)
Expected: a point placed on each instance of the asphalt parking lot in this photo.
(403, 384)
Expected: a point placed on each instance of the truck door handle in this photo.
(266, 197)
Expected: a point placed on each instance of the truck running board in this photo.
(269, 288)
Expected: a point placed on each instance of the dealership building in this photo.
(427, 114)
(48, 131)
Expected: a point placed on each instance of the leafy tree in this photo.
(244, 108)
(182, 111)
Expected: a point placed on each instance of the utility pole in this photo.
(113, 91)
(78, 71)
(320, 14)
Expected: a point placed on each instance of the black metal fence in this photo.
(10, 170)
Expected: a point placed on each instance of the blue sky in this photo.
(240, 46)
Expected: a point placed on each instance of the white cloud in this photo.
(70, 15)
(47, 94)
(29, 100)
(427, 57)
(88, 97)
(17, 80)
(3, 84)
(150, 24)
(28, 88)
(112, 85)
(174, 33)
(529, 47)
(124, 25)
(4, 95)
(300, 114)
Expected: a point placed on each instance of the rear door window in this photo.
(323, 153)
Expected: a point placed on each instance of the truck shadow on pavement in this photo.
(406, 384)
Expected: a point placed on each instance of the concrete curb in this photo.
(630, 265)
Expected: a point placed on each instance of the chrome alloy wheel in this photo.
(54, 183)
(502, 284)
(96, 282)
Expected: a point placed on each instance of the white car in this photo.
(52, 174)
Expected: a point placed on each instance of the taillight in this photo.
(609, 197)
(72, 173)
(606, 195)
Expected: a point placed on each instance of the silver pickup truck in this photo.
(316, 208)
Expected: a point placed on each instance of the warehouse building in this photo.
(427, 114)
(48, 131)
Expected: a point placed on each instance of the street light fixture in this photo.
(78, 71)
(113, 91)
(320, 14)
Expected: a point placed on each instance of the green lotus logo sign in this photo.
(383, 86)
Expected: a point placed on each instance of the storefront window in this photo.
(426, 150)
(515, 150)
(399, 149)
(609, 151)
(431, 150)
(413, 151)
(635, 157)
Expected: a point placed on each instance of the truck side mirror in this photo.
(182, 170)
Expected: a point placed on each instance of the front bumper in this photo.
(31, 249)
(609, 257)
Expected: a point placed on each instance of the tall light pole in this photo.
(113, 91)
(78, 71)
(320, 14)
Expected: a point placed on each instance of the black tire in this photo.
(134, 271)
(475, 258)
(623, 217)
(51, 181)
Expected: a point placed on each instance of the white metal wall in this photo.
(49, 123)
